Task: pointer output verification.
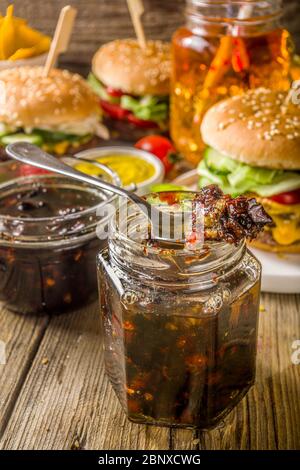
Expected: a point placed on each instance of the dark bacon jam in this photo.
(181, 327)
(39, 278)
(225, 218)
(40, 201)
(171, 363)
(231, 219)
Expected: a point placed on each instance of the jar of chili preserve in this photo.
(224, 49)
(180, 326)
(48, 240)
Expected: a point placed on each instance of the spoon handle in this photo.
(32, 155)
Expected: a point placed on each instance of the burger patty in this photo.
(71, 150)
(265, 241)
(267, 238)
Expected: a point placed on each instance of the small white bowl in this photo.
(143, 187)
(31, 61)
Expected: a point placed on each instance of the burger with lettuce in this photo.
(59, 112)
(253, 148)
(133, 85)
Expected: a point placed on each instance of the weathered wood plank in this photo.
(99, 21)
(184, 439)
(67, 402)
(21, 336)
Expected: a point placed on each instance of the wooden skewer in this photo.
(61, 36)
(136, 10)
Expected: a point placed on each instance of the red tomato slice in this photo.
(114, 110)
(29, 170)
(288, 198)
(114, 92)
(141, 122)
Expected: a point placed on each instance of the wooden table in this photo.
(54, 393)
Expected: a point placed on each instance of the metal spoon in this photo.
(33, 155)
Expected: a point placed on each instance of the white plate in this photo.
(281, 273)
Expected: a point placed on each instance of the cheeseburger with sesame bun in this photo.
(60, 113)
(254, 148)
(133, 85)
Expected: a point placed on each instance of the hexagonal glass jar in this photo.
(180, 328)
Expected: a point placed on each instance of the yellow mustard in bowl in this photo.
(130, 168)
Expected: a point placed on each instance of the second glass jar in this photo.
(48, 240)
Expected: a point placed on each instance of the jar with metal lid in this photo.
(48, 239)
(180, 326)
(224, 49)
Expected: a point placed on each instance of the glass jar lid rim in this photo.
(235, 10)
(182, 249)
(25, 220)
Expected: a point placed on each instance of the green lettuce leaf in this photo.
(148, 108)
(56, 136)
(220, 164)
(237, 178)
(100, 90)
(97, 86)
(164, 187)
(41, 136)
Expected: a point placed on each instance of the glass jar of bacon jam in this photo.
(48, 241)
(180, 326)
(224, 49)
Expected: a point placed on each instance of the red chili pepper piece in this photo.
(240, 56)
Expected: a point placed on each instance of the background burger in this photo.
(254, 148)
(133, 85)
(60, 112)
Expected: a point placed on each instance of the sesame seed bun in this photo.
(123, 65)
(28, 99)
(256, 128)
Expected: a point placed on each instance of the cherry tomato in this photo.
(288, 198)
(141, 122)
(161, 147)
(29, 170)
(114, 110)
